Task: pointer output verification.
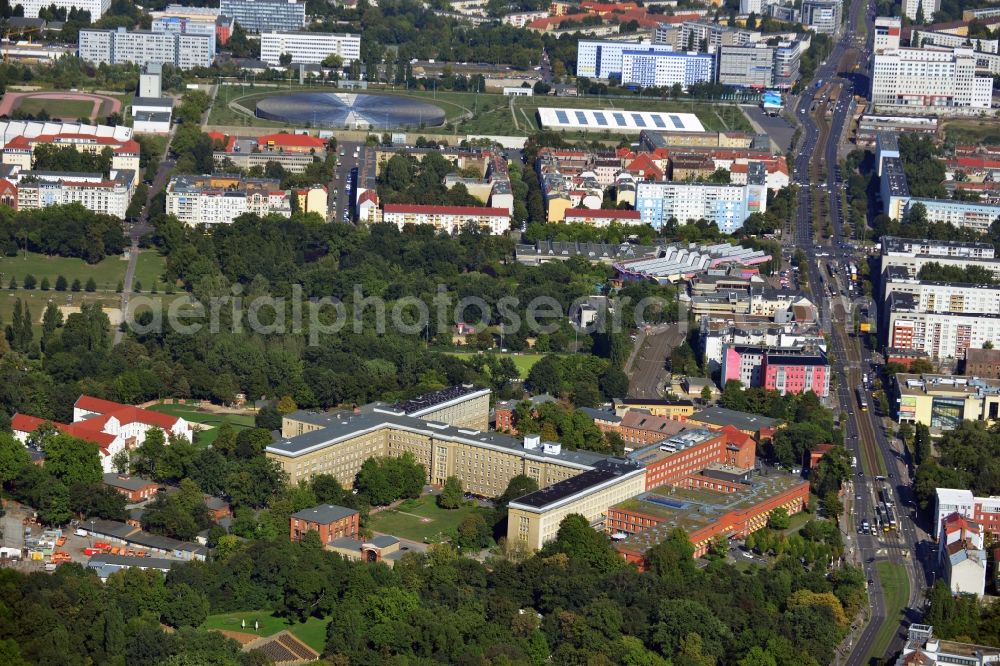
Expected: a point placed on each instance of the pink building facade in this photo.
(797, 373)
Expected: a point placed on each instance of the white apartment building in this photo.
(97, 8)
(264, 15)
(922, 38)
(929, 79)
(760, 66)
(601, 59)
(450, 219)
(651, 69)
(692, 35)
(945, 296)
(521, 19)
(728, 206)
(929, 7)
(887, 32)
(185, 25)
(752, 7)
(109, 196)
(211, 200)
(983, 510)
(971, 214)
(913, 254)
(141, 47)
(944, 335)
(309, 48)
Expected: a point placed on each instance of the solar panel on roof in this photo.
(599, 117)
(619, 119)
(638, 119)
(658, 119)
(676, 120)
(562, 118)
(581, 117)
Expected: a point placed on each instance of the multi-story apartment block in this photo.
(703, 36)
(728, 206)
(19, 150)
(717, 334)
(648, 68)
(928, 79)
(602, 59)
(97, 8)
(309, 48)
(212, 200)
(911, 8)
(939, 334)
(894, 189)
(823, 15)
(108, 195)
(182, 25)
(974, 215)
(942, 402)
(942, 297)
(922, 38)
(264, 15)
(961, 554)
(188, 15)
(789, 370)
(450, 219)
(141, 47)
(760, 65)
(983, 510)
(521, 19)
(913, 254)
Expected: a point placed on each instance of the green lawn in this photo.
(524, 362)
(798, 521)
(420, 520)
(193, 415)
(896, 590)
(149, 270)
(57, 108)
(312, 632)
(106, 273)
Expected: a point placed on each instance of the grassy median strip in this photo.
(896, 591)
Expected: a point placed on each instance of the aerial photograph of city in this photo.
(500, 332)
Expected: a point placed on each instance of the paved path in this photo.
(649, 365)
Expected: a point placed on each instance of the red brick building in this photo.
(135, 488)
(671, 460)
(730, 510)
(816, 454)
(331, 521)
(640, 428)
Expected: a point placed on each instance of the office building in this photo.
(752, 7)
(107, 195)
(887, 32)
(760, 65)
(450, 219)
(822, 15)
(648, 68)
(942, 335)
(309, 48)
(681, 459)
(534, 519)
(179, 18)
(728, 206)
(97, 8)
(782, 12)
(723, 504)
(602, 59)
(264, 15)
(789, 370)
(294, 152)
(212, 200)
(929, 79)
(985, 511)
(141, 47)
(942, 402)
(911, 8)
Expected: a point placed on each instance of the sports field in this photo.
(896, 588)
(420, 520)
(212, 421)
(523, 362)
(312, 632)
(57, 108)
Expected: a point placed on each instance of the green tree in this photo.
(13, 458)
(185, 607)
(45, 285)
(29, 281)
(778, 519)
(473, 532)
(76, 286)
(451, 494)
(73, 460)
(91, 285)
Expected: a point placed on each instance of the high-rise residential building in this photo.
(728, 206)
(703, 36)
(309, 48)
(602, 59)
(920, 38)
(97, 8)
(760, 66)
(109, 196)
(928, 79)
(648, 68)
(264, 15)
(911, 9)
(752, 7)
(938, 334)
(141, 47)
(823, 15)
(887, 32)
(182, 25)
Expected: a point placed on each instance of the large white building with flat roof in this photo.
(728, 206)
(309, 48)
(97, 8)
(647, 68)
(934, 78)
(142, 47)
(615, 120)
(602, 59)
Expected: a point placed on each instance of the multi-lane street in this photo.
(882, 462)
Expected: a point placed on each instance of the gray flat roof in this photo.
(102, 559)
(324, 514)
(720, 416)
(127, 482)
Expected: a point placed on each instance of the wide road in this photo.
(816, 169)
(648, 368)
